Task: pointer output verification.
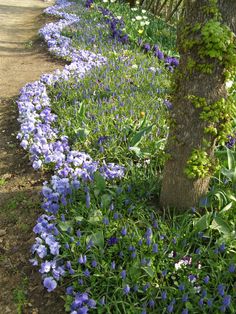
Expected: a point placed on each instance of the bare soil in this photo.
(23, 58)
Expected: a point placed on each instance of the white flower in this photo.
(134, 66)
(144, 11)
(119, 17)
(138, 18)
(197, 289)
(134, 9)
(142, 23)
(147, 22)
(133, 20)
(229, 84)
(104, 1)
(112, 1)
(145, 17)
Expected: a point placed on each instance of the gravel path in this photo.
(23, 58)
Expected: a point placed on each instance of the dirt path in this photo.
(23, 59)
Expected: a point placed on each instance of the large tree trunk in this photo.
(187, 128)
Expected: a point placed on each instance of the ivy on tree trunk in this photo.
(202, 112)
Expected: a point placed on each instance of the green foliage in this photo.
(199, 165)
(218, 43)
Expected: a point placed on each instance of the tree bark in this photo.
(171, 13)
(187, 129)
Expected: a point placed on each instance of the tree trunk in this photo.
(187, 129)
(171, 13)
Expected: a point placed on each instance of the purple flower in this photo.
(232, 268)
(155, 248)
(201, 302)
(69, 290)
(94, 263)
(146, 47)
(113, 265)
(222, 248)
(227, 300)
(164, 295)
(126, 289)
(82, 259)
(151, 303)
(181, 287)
(185, 298)
(87, 273)
(123, 274)
(206, 279)
(112, 241)
(124, 231)
(170, 308)
(221, 289)
(49, 283)
(106, 221)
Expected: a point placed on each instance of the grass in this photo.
(20, 296)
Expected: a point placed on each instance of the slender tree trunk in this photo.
(170, 7)
(171, 13)
(161, 7)
(187, 129)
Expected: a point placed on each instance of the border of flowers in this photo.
(45, 146)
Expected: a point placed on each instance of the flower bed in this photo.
(102, 233)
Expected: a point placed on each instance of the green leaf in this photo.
(106, 200)
(97, 238)
(100, 182)
(231, 160)
(202, 223)
(218, 223)
(82, 133)
(230, 174)
(149, 270)
(134, 270)
(79, 218)
(81, 111)
(227, 207)
(136, 150)
(138, 135)
(65, 225)
(95, 217)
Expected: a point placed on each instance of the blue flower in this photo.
(70, 290)
(87, 273)
(50, 284)
(232, 268)
(123, 274)
(82, 259)
(164, 295)
(94, 263)
(221, 290)
(126, 289)
(112, 241)
(206, 279)
(226, 300)
(124, 231)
